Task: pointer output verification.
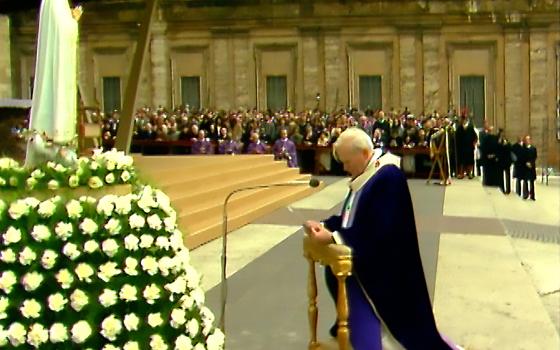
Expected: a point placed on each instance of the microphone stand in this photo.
(311, 183)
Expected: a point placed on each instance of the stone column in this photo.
(5, 61)
(432, 62)
(311, 72)
(516, 104)
(159, 60)
(222, 74)
(242, 58)
(407, 58)
(538, 77)
(336, 94)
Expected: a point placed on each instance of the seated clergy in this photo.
(229, 146)
(284, 148)
(202, 145)
(255, 145)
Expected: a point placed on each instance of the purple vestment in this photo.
(285, 149)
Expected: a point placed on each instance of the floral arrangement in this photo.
(103, 168)
(102, 274)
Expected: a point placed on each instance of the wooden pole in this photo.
(126, 123)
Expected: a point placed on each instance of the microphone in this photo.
(311, 183)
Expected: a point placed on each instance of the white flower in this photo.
(31, 202)
(176, 241)
(179, 286)
(107, 271)
(110, 347)
(170, 224)
(3, 336)
(178, 318)
(150, 265)
(131, 322)
(51, 164)
(187, 302)
(27, 256)
(64, 278)
(59, 168)
(49, 259)
(193, 277)
(94, 181)
(88, 226)
(8, 256)
(163, 243)
(136, 221)
(216, 340)
(31, 281)
(111, 327)
(193, 327)
(128, 293)
(91, 246)
(113, 226)
(37, 335)
(130, 266)
(146, 241)
(151, 293)
(157, 342)
(165, 264)
(7, 281)
(63, 230)
(53, 185)
(110, 165)
(198, 296)
(57, 302)
(71, 251)
(199, 346)
(125, 176)
(131, 345)
(16, 334)
(207, 315)
(183, 343)
(73, 181)
(110, 178)
(12, 235)
(31, 183)
(182, 259)
(74, 209)
(155, 320)
(38, 174)
(154, 222)
(78, 299)
(18, 209)
(131, 242)
(4, 303)
(2, 181)
(80, 332)
(88, 199)
(84, 272)
(30, 309)
(123, 204)
(108, 297)
(58, 333)
(110, 247)
(106, 205)
(40, 233)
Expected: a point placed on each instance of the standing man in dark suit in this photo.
(518, 164)
(504, 161)
(530, 155)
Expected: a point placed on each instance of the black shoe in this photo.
(333, 331)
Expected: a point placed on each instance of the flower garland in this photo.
(102, 274)
(103, 168)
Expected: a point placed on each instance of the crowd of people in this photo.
(282, 132)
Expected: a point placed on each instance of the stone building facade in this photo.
(422, 54)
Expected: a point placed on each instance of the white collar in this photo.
(377, 161)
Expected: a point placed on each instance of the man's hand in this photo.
(318, 232)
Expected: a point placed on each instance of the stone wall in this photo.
(5, 60)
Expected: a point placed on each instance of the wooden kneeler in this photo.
(339, 258)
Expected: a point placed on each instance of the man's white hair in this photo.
(355, 137)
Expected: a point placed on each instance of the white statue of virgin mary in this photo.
(53, 110)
